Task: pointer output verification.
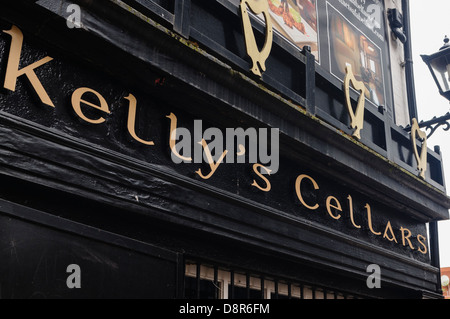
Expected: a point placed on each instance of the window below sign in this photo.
(212, 282)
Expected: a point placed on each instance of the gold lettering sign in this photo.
(298, 187)
(258, 57)
(132, 120)
(13, 72)
(335, 210)
(77, 100)
(268, 171)
(311, 198)
(213, 165)
(422, 158)
(357, 119)
(173, 137)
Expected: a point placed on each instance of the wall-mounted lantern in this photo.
(439, 66)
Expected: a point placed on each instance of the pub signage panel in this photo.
(348, 39)
(340, 33)
(73, 99)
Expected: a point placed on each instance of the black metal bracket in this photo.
(395, 19)
(434, 124)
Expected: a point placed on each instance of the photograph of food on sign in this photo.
(296, 20)
(340, 33)
(349, 46)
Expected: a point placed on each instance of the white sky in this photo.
(429, 25)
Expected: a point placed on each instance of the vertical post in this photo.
(437, 150)
(262, 288)
(247, 285)
(181, 277)
(409, 69)
(198, 281)
(216, 282)
(310, 70)
(182, 23)
(434, 247)
(231, 292)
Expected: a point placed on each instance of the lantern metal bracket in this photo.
(439, 66)
(433, 124)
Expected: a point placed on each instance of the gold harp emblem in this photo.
(258, 57)
(357, 120)
(422, 159)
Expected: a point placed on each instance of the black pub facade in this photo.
(214, 149)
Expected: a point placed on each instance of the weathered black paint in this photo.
(135, 191)
(37, 248)
(152, 124)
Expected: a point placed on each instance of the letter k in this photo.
(13, 72)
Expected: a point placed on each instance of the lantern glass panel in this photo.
(441, 68)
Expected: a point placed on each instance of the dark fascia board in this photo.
(227, 215)
(382, 177)
(58, 223)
